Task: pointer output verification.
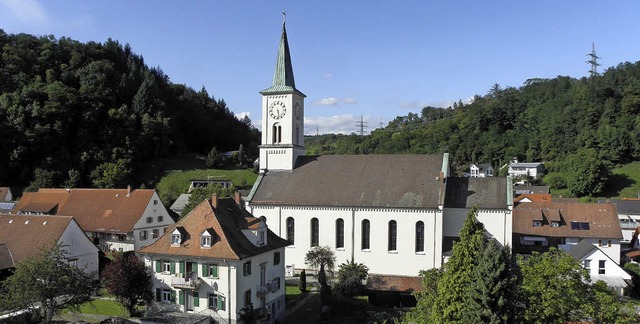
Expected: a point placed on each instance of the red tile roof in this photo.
(95, 210)
(602, 219)
(26, 235)
(534, 197)
(405, 284)
(226, 220)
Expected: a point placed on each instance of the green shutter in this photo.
(158, 294)
(196, 299)
(173, 267)
(214, 270)
(181, 297)
(209, 301)
(205, 270)
(158, 266)
(173, 296)
(221, 302)
(182, 267)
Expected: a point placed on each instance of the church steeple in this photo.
(283, 80)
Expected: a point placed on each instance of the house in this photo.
(115, 219)
(600, 266)
(197, 183)
(522, 190)
(480, 170)
(575, 228)
(6, 200)
(23, 236)
(628, 215)
(532, 169)
(217, 260)
(179, 204)
(379, 210)
(534, 197)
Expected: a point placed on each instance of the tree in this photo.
(200, 194)
(111, 175)
(214, 158)
(426, 298)
(587, 172)
(241, 156)
(555, 288)
(458, 272)
(303, 281)
(351, 278)
(126, 277)
(47, 280)
(322, 257)
(493, 293)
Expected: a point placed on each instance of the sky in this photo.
(373, 59)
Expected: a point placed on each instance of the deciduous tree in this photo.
(127, 278)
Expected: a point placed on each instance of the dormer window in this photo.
(261, 237)
(537, 223)
(175, 239)
(205, 239)
(555, 224)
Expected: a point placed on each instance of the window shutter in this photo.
(158, 266)
(173, 296)
(181, 297)
(209, 301)
(158, 294)
(221, 302)
(205, 270)
(173, 267)
(214, 270)
(182, 267)
(196, 299)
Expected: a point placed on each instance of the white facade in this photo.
(480, 171)
(497, 222)
(378, 256)
(534, 169)
(219, 293)
(609, 247)
(282, 131)
(154, 221)
(600, 266)
(80, 250)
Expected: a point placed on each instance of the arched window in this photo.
(279, 134)
(419, 236)
(366, 234)
(339, 233)
(291, 227)
(393, 235)
(315, 232)
(276, 135)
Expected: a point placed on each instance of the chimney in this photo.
(238, 198)
(128, 190)
(214, 201)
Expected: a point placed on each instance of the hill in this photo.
(90, 114)
(581, 128)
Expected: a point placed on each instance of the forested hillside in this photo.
(580, 128)
(89, 114)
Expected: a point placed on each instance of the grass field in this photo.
(292, 292)
(625, 181)
(105, 307)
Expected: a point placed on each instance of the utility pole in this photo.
(593, 61)
(362, 125)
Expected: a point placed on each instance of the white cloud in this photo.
(331, 101)
(242, 114)
(350, 101)
(27, 11)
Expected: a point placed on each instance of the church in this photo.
(397, 214)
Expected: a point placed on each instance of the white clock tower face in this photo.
(277, 109)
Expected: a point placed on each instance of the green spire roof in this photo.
(283, 80)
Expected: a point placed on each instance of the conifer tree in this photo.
(449, 304)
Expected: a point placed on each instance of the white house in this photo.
(480, 170)
(628, 215)
(217, 260)
(380, 210)
(24, 236)
(532, 169)
(600, 266)
(115, 219)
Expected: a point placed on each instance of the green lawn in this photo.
(625, 181)
(292, 292)
(177, 182)
(105, 307)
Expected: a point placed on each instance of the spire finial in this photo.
(284, 17)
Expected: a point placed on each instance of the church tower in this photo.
(282, 115)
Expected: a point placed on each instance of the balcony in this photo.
(628, 225)
(188, 281)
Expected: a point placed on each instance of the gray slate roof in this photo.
(467, 192)
(624, 206)
(400, 181)
(581, 249)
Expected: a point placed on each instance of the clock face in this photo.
(277, 109)
(298, 111)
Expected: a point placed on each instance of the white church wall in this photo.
(378, 258)
(497, 222)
